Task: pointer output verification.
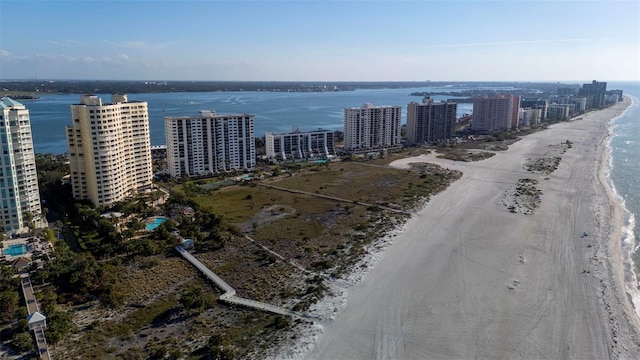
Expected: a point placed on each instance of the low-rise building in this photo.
(529, 117)
(36, 319)
(558, 112)
(317, 144)
(536, 103)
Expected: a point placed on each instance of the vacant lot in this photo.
(319, 233)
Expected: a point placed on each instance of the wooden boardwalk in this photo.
(32, 307)
(229, 295)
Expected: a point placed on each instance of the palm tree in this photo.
(28, 218)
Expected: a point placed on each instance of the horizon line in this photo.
(318, 81)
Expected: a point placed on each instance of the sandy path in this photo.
(467, 279)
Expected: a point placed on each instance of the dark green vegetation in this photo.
(13, 313)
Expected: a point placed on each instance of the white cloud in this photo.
(67, 43)
(143, 45)
(137, 45)
(507, 43)
(4, 53)
(50, 58)
(120, 58)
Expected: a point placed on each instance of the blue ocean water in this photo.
(274, 111)
(623, 175)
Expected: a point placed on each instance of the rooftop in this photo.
(6, 102)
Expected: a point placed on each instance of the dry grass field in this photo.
(320, 233)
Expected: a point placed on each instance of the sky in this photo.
(318, 40)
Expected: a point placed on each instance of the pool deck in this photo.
(35, 246)
(151, 220)
(9, 242)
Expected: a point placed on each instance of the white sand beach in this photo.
(468, 279)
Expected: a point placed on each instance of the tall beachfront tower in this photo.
(495, 113)
(208, 144)
(597, 91)
(18, 176)
(372, 127)
(109, 149)
(300, 145)
(428, 122)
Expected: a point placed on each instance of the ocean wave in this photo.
(628, 242)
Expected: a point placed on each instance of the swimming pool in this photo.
(15, 250)
(156, 222)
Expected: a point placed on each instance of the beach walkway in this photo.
(229, 295)
(32, 308)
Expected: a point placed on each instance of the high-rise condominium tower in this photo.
(495, 113)
(18, 177)
(209, 144)
(372, 127)
(428, 122)
(109, 149)
(597, 91)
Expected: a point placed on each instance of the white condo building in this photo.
(18, 176)
(109, 149)
(529, 117)
(300, 145)
(372, 127)
(208, 144)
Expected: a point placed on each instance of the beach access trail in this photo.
(468, 279)
(229, 294)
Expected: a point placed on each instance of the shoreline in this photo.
(622, 333)
(628, 239)
(618, 256)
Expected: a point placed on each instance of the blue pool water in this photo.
(15, 250)
(156, 222)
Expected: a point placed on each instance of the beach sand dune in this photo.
(468, 279)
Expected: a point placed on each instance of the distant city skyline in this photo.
(319, 40)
